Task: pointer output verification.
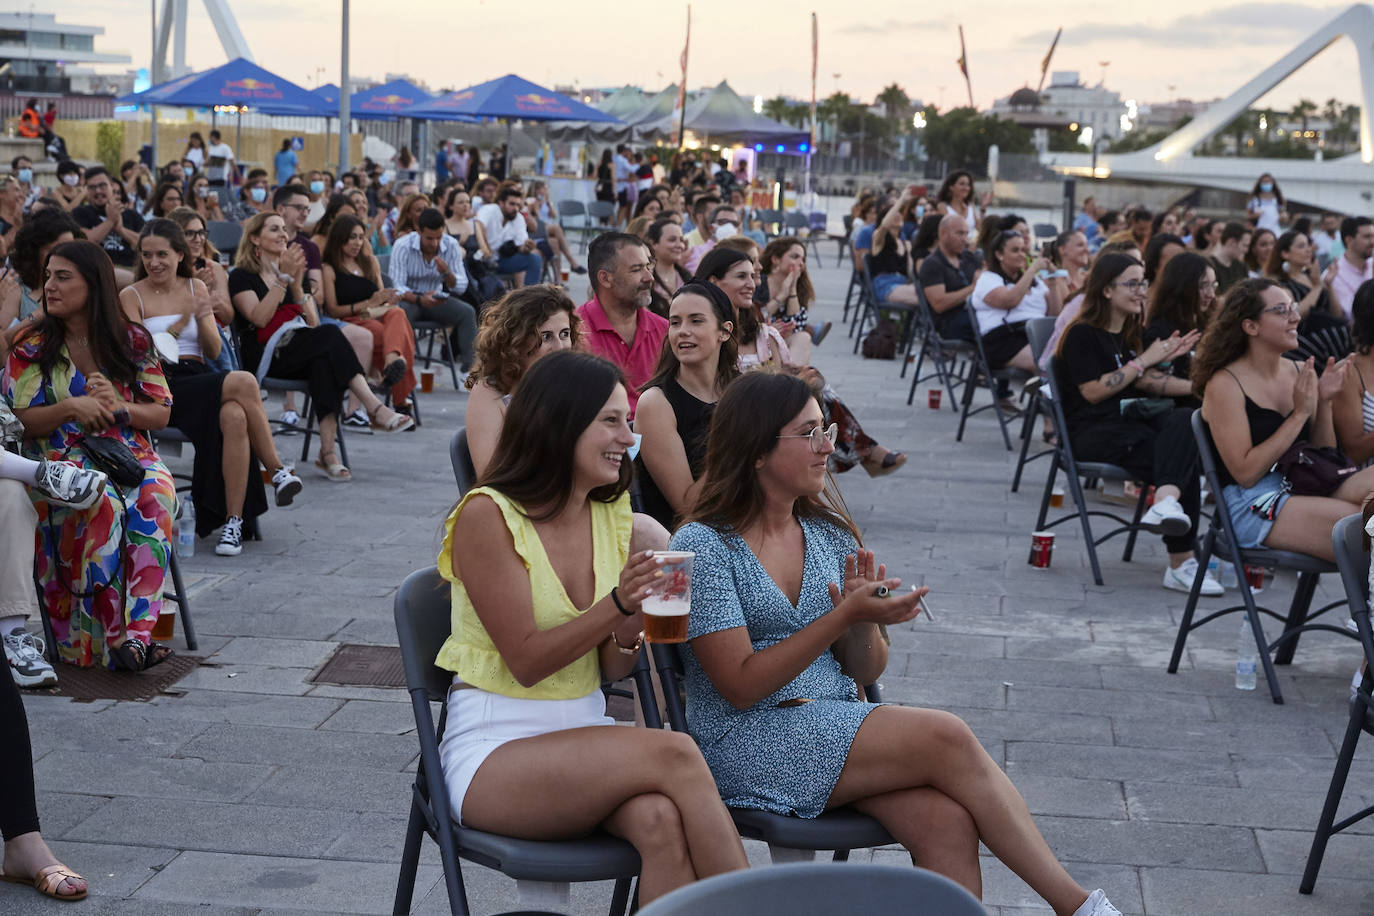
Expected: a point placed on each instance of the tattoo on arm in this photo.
(1116, 379)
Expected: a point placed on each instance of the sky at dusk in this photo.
(1170, 49)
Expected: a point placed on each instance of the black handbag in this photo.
(114, 458)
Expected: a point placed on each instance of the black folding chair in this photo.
(1352, 558)
(224, 235)
(1062, 459)
(870, 308)
(798, 224)
(422, 624)
(429, 332)
(981, 374)
(1221, 540)
(945, 354)
(1038, 331)
(789, 839)
(464, 474)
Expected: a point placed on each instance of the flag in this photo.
(1045, 64)
(680, 103)
(815, 51)
(963, 67)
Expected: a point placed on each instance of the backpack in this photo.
(881, 342)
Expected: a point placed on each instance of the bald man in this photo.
(948, 275)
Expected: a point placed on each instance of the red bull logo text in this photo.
(249, 88)
(535, 101)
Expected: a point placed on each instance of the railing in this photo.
(69, 107)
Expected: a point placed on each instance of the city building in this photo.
(36, 52)
(1068, 98)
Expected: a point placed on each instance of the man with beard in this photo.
(617, 324)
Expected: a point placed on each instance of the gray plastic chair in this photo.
(464, 474)
(224, 235)
(1038, 332)
(1353, 560)
(1220, 538)
(817, 889)
(422, 624)
(789, 839)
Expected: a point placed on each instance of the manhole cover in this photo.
(104, 684)
(363, 666)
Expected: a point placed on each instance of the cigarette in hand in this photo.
(925, 608)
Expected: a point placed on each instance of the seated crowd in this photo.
(687, 372)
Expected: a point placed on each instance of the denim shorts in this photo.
(1251, 527)
(883, 284)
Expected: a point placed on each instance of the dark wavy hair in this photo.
(744, 428)
(41, 229)
(171, 233)
(1176, 298)
(557, 400)
(160, 192)
(338, 237)
(946, 193)
(1154, 252)
(507, 332)
(714, 266)
(111, 336)
(331, 212)
(1225, 341)
(727, 368)
(806, 292)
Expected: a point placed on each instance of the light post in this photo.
(343, 95)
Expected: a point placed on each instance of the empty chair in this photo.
(224, 235)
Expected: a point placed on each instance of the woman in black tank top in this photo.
(700, 357)
(1257, 404)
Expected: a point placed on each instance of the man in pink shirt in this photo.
(1354, 266)
(616, 323)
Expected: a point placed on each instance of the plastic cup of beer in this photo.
(670, 598)
(427, 380)
(1057, 497)
(564, 274)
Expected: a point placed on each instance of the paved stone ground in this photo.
(258, 792)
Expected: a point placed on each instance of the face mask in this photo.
(258, 195)
(920, 212)
(725, 232)
(26, 176)
(203, 191)
(71, 179)
(384, 179)
(1266, 186)
(317, 187)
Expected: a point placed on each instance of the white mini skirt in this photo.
(480, 721)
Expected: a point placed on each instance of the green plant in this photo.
(109, 144)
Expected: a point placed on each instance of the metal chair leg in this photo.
(1297, 615)
(1333, 797)
(1185, 625)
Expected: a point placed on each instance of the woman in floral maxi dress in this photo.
(84, 371)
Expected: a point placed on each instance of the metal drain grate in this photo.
(354, 665)
(86, 684)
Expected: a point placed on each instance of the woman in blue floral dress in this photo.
(787, 614)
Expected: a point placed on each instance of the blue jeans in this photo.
(531, 263)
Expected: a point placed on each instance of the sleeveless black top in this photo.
(693, 417)
(350, 289)
(1264, 422)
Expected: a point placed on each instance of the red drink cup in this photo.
(1255, 576)
(1042, 549)
(933, 398)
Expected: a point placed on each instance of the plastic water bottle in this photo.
(186, 529)
(1227, 575)
(1246, 662)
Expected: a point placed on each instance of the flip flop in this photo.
(334, 470)
(48, 880)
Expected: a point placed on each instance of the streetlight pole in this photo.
(152, 81)
(344, 96)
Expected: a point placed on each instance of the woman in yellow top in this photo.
(546, 604)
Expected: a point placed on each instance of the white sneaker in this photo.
(1181, 579)
(1166, 516)
(286, 484)
(24, 652)
(1097, 904)
(230, 538)
(290, 418)
(70, 484)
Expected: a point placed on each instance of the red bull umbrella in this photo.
(241, 83)
(510, 98)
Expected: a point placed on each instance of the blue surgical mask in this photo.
(317, 187)
(258, 194)
(920, 212)
(26, 176)
(1266, 186)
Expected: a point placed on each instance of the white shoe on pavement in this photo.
(286, 484)
(1181, 579)
(1097, 904)
(24, 652)
(1166, 516)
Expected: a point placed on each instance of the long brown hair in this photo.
(744, 428)
(1279, 253)
(806, 293)
(1097, 305)
(110, 334)
(338, 237)
(1225, 341)
(508, 333)
(1176, 297)
(246, 258)
(727, 360)
(170, 232)
(182, 216)
(557, 400)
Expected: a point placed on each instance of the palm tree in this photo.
(895, 102)
(834, 108)
(777, 108)
(1304, 109)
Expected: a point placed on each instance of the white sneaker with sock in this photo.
(1166, 516)
(1181, 579)
(230, 537)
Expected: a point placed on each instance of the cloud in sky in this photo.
(1243, 23)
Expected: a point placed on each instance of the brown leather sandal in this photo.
(49, 880)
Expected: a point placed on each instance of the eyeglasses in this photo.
(1290, 310)
(1206, 285)
(1134, 285)
(819, 436)
(304, 208)
(194, 233)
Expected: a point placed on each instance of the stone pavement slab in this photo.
(255, 791)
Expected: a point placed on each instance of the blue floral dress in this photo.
(780, 759)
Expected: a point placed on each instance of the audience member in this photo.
(427, 272)
(71, 193)
(1158, 252)
(957, 195)
(1258, 405)
(1180, 302)
(668, 249)
(1008, 294)
(221, 413)
(1266, 207)
(1354, 266)
(722, 223)
(105, 221)
(617, 322)
(83, 370)
(1228, 256)
(1352, 411)
(785, 293)
(546, 214)
(205, 200)
(1117, 408)
(786, 618)
(508, 236)
(948, 276)
(22, 299)
(1322, 332)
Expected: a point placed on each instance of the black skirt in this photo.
(197, 393)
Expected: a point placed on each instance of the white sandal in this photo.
(334, 470)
